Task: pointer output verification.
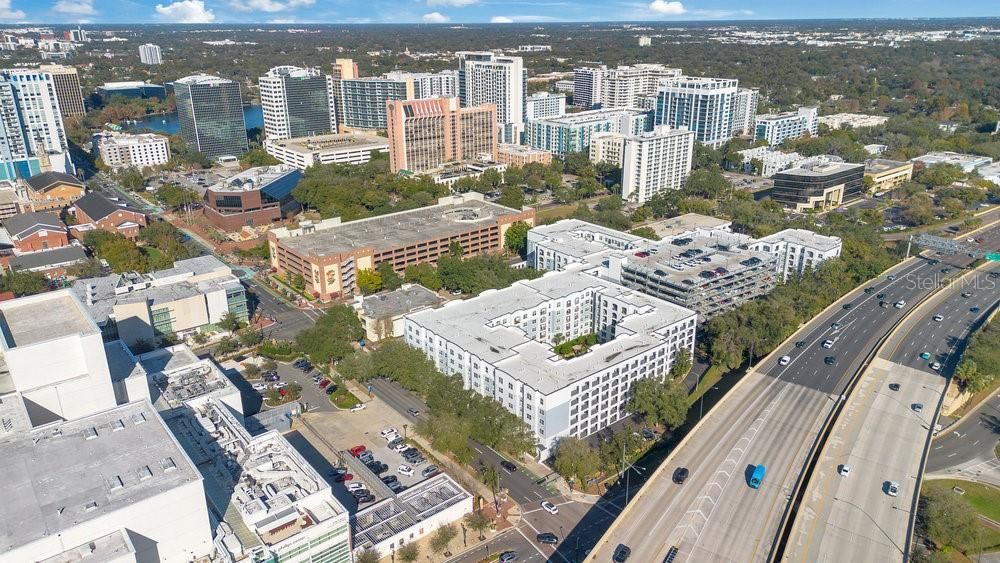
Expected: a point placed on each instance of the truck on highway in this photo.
(758, 476)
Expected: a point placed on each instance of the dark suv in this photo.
(680, 475)
(621, 553)
(508, 465)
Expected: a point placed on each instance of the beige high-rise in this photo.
(425, 134)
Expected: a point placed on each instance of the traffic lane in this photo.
(288, 320)
(521, 486)
(973, 439)
(539, 521)
(512, 540)
(584, 535)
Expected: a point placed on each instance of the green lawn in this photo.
(984, 498)
(343, 399)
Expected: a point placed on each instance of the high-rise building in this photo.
(487, 78)
(344, 69)
(622, 87)
(546, 104)
(297, 102)
(703, 105)
(442, 84)
(425, 134)
(572, 132)
(32, 135)
(744, 111)
(68, 91)
(210, 111)
(149, 54)
(361, 101)
(776, 127)
(651, 162)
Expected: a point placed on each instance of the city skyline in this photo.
(465, 11)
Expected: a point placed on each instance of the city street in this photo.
(967, 450)
(288, 319)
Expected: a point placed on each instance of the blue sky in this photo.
(471, 11)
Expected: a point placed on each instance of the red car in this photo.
(356, 450)
(343, 477)
(324, 383)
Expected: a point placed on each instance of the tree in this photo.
(918, 210)
(226, 345)
(408, 553)
(130, 178)
(369, 281)
(332, 337)
(367, 555)
(575, 459)
(646, 232)
(425, 274)
(516, 237)
(391, 281)
(258, 157)
(89, 268)
(478, 522)
(455, 249)
(23, 283)
(358, 366)
(174, 196)
(511, 196)
(681, 365)
(708, 183)
(442, 537)
(940, 175)
(251, 371)
(250, 337)
(659, 402)
(949, 519)
(229, 322)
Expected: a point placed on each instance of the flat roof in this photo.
(591, 115)
(121, 362)
(819, 168)
(580, 239)
(400, 229)
(877, 165)
(719, 249)
(59, 475)
(47, 316)
(948, 157)
(333, 142)
(474, 325)
(805, 238)
(682, 224)
(109, 547)
(180, 376)
(399, 302)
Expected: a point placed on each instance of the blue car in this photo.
(758, 476)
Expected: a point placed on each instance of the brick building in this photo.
(329, 254)
(54, 190)
(31, 232)
(253, 198)
(94, 211)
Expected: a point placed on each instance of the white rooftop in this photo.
(805, 238)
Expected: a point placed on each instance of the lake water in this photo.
(167, 123)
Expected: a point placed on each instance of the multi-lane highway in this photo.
(772, 418)
(882, 432)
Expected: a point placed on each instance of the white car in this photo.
(358, 407)
(935, 366)
(917, 407)
(281, 385)
(892, 488)
(351, 487)
(391, 437)
(899, 304)
(388, 431)
(828, 343)
(938, 318)
(549, 507)
(844, 470)
(259, 386)
(401, 447)
(784, 361)
(405, 470)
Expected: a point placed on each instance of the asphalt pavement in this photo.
(772, 420)
(968, 449)
(289, 320)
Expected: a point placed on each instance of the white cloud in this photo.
(665, 8)
(434, 17)
(721, 13)
(7, 12)
(83, 7)
(452, 3)
(501, 19)
(185, 11)
(282, 20)
(268, 5)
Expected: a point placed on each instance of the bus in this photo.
(758, 476)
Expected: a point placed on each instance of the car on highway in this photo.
(893, 387)
(891, 488)
(547, 538)
(621, 553)
(509, 466)
(507, 557)
(784, 360)
(405, 470)
(848, 306)
(935, 366)
(938, 318)
(413, 412)
(549, 507)
(925, 355)
(681, 475)
(830, 361)
(828, 344)
(844, 470)
(917, 407)
(967, 294)
(891, 277)
(757, 477)
(835, 326)
(800, 343)
(974, 310)
(358, 407)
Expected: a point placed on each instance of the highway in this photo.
(881, 435)
(772, 418)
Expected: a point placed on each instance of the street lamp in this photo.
(404, 431)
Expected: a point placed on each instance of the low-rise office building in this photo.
(382, 314)
(854, 120)
(329, 253)
(519, 155)
(572, 132)
(505, 345)
(181, 300)
(768, 161)
(120, 151)
(887, 175)
(776, 127)
(816, 184)
(347, 148)
(967, 162)
(253, 198)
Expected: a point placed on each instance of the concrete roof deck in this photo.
(47, 316)
(400, 229)
(723, 250)
(337, 141)
(399, 302)
(676, 226)
(64, 473)
(805, 238)
(110, 547)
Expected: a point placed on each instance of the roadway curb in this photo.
(732, 392)
(798, 492)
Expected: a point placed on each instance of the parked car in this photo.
(547, 538)
(259, 386)
(648, 434)
(324, 383)
(378, 467)
(368, 497)
(343, 477)
(330, 389)
(366, 457)
(405, 470)
(390, 479)
(400, 446)
(409, 451)
(429, 471)
(507, 557)
(549, 507)
(281, 385)
(388, 431)
(356, 450)
(355, 487)
(917, 407)
(394, 442)
(271, 377)
(894, 387)
(358, 407)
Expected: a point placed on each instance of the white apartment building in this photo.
(140, 151)
(703, 105)
(769, 160)
(798, 250)
(487, 78)
(622, 87)
(502, 345)
(546, 104)
(607, 147)
(149, 54)
(855, 120)
(745, 110)
(297, 102)
(442, 84)
(651, 162)
(645, 41)
(32, 135)
(337, 148)
(776, 127)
